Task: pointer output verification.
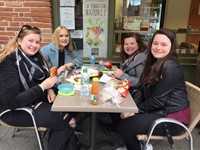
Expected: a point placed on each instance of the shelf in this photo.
(138, 31)
(187, 32)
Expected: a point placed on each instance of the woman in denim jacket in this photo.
(59, 53)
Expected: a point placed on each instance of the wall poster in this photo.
(67, 17)
(95, 27)
(67, 3)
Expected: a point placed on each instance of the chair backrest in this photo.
(194, 97)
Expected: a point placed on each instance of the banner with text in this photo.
(95, 27)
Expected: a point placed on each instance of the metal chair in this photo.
(31, 113)
(194, 97)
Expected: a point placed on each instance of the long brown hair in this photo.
(141, 46)
(154, 68)
(55, 38)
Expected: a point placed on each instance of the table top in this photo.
(78, 103)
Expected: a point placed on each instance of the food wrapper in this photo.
(109, 94)
(122, 87)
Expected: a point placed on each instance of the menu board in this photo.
(95, 27)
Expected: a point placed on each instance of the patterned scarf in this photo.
(32, 70)
(127, 62)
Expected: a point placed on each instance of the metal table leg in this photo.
(92, 131)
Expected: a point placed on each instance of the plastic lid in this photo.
(85, 70)
(95, 79)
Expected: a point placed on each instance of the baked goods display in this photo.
(53, 72)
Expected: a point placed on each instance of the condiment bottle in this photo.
(94, 99)
(101, 65)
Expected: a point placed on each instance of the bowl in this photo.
(66, 88)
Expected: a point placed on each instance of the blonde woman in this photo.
(59, 53)
(25, 81)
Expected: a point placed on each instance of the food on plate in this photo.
(76, 79)
(53, 72)
(122, 87)
(105, 69)
(108, 65)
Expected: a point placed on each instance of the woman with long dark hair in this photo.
(163, 92)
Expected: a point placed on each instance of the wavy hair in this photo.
(154, 67)
(141, 46)
(55, 38)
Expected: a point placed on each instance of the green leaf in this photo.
(100, 23)
(90, 22)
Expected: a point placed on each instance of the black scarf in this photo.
(32, 70)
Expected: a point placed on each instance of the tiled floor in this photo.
(25, 139)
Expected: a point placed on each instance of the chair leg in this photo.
(14, 131)
(35, 126)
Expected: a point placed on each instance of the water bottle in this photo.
(84, 90)
(92, 59)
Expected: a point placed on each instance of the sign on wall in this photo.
(67, 17)
(95, 27)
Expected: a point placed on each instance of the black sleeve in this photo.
(11, 94)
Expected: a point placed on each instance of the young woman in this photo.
(133, 56)
(25, 81)
(59, 53)
(163, 92)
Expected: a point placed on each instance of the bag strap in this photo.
(169, 135)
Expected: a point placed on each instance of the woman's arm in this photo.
(76, 60)
(133, 75)
(11, 95)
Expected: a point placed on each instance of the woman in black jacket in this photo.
(25, 81)
(163, 92)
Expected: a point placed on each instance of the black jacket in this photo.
(12, 93)
(167, 95)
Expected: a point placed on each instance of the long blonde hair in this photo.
(13, 45)
(55, 38)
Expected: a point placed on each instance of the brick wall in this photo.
(15, 13)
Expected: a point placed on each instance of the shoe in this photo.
(149, 147)
(122, 148)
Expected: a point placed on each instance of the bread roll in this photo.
(53, 72)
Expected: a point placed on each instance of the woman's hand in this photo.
(51, 96)
(48, 83)
(61, 69)
(126, 115)
(69, 65)
(118, 73)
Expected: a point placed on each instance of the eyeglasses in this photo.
(28, 27)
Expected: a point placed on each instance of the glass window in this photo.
(142, 16)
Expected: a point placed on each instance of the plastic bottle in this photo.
(92, 59)
(84, 90)
(94, 99)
